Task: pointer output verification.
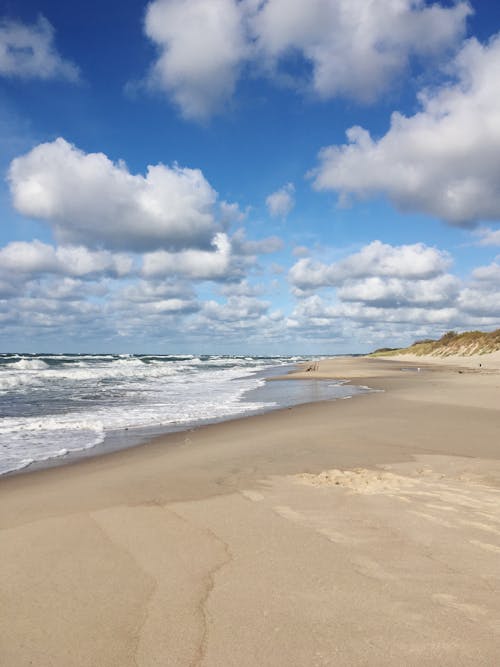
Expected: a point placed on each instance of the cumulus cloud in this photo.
(280, 203)
(393, 292)
(230, 212)
(386, 295)
(28, 52)
(380, 283)
(321, 313)
(237, 309)
(193, 264)
(482, 303)
(144, 291)
(488, 237)
(355, 48)
(314, 312)
(169, 306)
(201, 45)
(46, 307)
(488, 274)
(411, 262)
(243, 288)
(46, 288)
(87, 199)
(443, 161)
(351, 48)
(227, 259)
(238, 316)
(35, 257)
(243, 246)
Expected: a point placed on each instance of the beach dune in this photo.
(350, 532)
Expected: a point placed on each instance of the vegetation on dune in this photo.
(452, 343)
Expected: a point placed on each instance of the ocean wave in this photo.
(10, 425)
(29, 365)
(34, 440)
(10, 382)
(57, 404)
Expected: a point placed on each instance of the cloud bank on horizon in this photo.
(220, 208)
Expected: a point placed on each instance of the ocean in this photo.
(55, 407)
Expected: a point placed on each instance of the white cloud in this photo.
(386, 295)
(35, 257)
(394, 292)
(416, 261)
(488, 274)
(28, 52)
(477, 302)
(353, 48)
(64, 288)
(237, 309)
(443, 161)
(88, 199)
(80, 261)
(144, 291)
(487, 236)
(280, 203)
(192, 264)
(231, 213)
(242, 288)
(169, 306)
(24, 257)
(242, 246)
(362, 313)
(201, 45)
(228, 259)
(50, 308)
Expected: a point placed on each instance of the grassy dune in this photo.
(451, 344)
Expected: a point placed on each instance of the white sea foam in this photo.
(62, 403)
(30, 365)
(52, 405)
(10, 382)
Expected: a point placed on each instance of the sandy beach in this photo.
(352, 532)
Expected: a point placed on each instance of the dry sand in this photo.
(354, 532)
(489, 361)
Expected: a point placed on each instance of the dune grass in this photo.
(451, 344)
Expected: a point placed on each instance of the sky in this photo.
(247, 176)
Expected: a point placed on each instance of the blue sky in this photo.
(247, 176)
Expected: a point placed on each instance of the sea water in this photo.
(54, 405)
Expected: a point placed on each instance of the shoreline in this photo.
(350, 532)
(129, 437)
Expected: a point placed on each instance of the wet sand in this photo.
(354, 532)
